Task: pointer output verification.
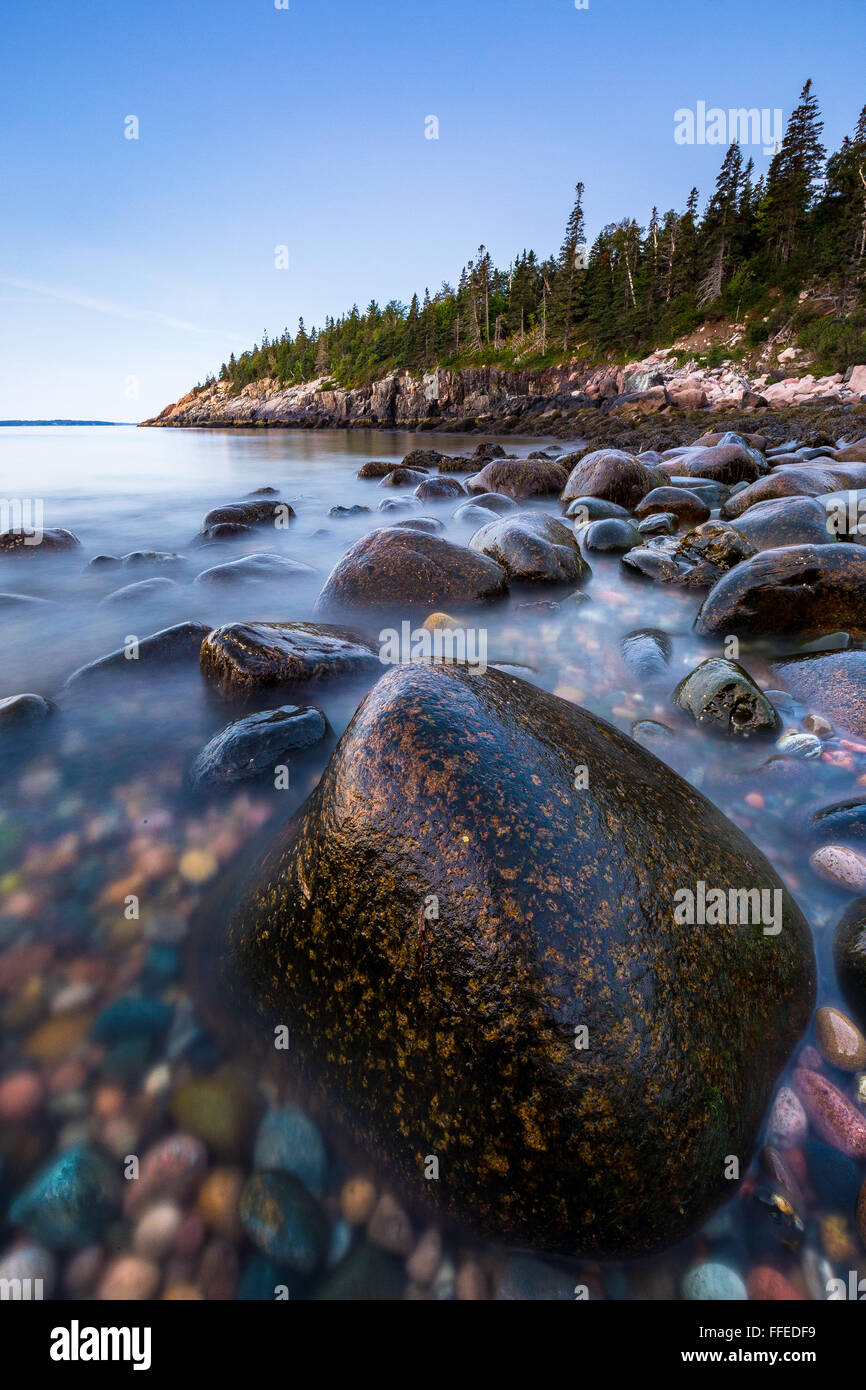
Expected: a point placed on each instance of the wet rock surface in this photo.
(459, 785)
(171, 645)
(403, 567)
(797, 590)
(252, 746)
(832, 682)
(519, 478)
(612, 475)
(532, 548)
(721, 694)
(242, 658)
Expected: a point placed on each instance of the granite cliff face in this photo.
(554, 400)
(438, 398)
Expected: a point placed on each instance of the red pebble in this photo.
(767, 1285)
(831, 1114)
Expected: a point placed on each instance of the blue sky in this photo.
(131, 268)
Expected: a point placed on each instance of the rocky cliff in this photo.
(550, 401)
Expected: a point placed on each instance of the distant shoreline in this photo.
(4, 424)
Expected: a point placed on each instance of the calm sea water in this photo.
(124, 754)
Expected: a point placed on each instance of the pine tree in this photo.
(792, 178)
(569, 272)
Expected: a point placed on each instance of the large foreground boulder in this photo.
(476, 949)
(402, 567)
(793, 591)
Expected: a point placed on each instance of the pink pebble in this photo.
(21, 1095)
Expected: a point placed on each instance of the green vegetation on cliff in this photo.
(757, 242)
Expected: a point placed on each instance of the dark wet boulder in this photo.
(520, 478)
(582, 510)
(532, 548)
(611, 535)
(714, 494)
(342, 512)
(660, 565)
(158, 588)
(265, 512)
(829, 683)
(256, 568)
(714, 547)
(842, 820)
(483, 453)
(495, 502)
(152, 559)
(651, 734)
(403, 477)
(254, 745)
(102, 562)
(686, 505)
(722, 695)
(17, 711)
(244, 658)
(647, 653)
(472, 515)
(612, 475)
(785, 521)
(502, 912)
(399, 504)
(27, 542)
(376, 468)
(722, 463)
(849, 958)
(752, 441)
(168, 647)
(659, 524)
(456, 464)
(798, 480)
(263, 492)
(226, 531)
(432, 489)
(424, 459)
(430, 524)
(796, 590)
(402, 567)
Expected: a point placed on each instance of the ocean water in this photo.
(97, 807)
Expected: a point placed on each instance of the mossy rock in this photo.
(449, 910)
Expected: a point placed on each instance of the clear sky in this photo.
(139, 265)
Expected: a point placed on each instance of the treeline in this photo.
(756, 243)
